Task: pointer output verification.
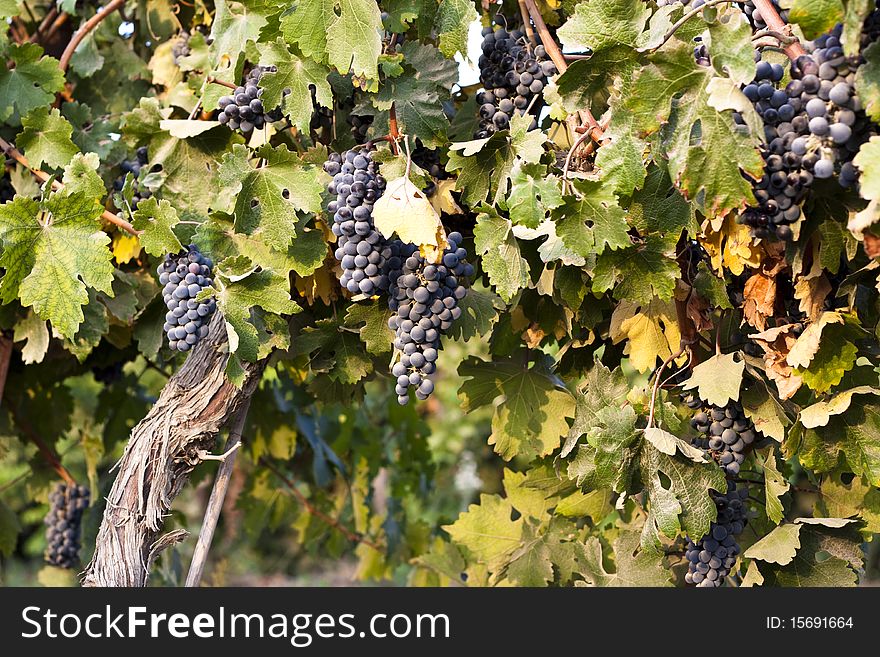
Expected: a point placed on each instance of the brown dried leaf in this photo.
(812, 292)
(777, 342)
(872, 245)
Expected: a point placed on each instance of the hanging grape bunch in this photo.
(360, 248)
(726, 432)
(711, 559)
(180, 48)
(67, 502)
(512, 74)
(243, 110)
(424, 298)
(837, 125)
(184, 276)
(134, 168)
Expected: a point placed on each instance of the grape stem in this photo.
(776, 24)
(393, 129)
(42, 176)
(350, 534)
(47, 20)
(555, 54)
(212, 80)
(45, 451)
(60, 20)
(84, 30)
(527, 24)
(218, 495)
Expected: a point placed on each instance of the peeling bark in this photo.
(161, 453)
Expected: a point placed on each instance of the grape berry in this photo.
(134, 168)
(184, 276)
(711, 559)
(425, 298)
(63, 524)
(243, 110)
(726, 432)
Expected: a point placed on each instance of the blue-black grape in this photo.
(513, 74)
(361, 249)
(184, 275)
(713, 557)
(726, 433)
(243, 110)
(134, 167)
(67, 502)
(424, 297)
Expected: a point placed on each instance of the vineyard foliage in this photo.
(631, 274)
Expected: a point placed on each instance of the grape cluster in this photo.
(726, 432)
(243, 110)
(512, 74)
(63, 524)
(184, 275)
(180, 47)
(360, 249)
(836, 122)
(711, 559)
(424, 298)
(134, 168)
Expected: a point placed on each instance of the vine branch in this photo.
(84, 30)
(350, 534)
(42, 176)
(776, 24)
(45, 451)
(215, 502)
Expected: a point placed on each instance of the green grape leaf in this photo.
(454, 17)
(711, 287)
(479, 312)
(832, 361)
(588, 27)
(685, 501)
(53, 251)
(354, 39)
(9, 530)
(730, 43)
(854, 433)
(8, 9)
(486, 531)
(157, 220)
(600, 388)
(33, 330)
(658, 207)
(46, 138)
(779, 546)
(241, 287)
(90, 134)
(81, 175)
(610, 455)
(816, 17)
(854, 498)
(764, 411)
(717, 380)
(189, 176)
(530, 405)
(867, 84)
(371, 322)
(775, 485)
(812, 565)
(592, 221)
(268, 197)
(32, 82)
(336, 351)
(296, 74)
(493, 239)
(306, 25)
(640, 272)
(532, 194)
(235, 23)
(634, 566)
(707, 152)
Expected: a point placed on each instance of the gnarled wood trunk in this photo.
(163, 449)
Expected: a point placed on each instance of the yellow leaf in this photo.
(404, 209)
(652, 331)
(732, 247)
(125, 247)
(442, 201)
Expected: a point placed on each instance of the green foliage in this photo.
(555, 451)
